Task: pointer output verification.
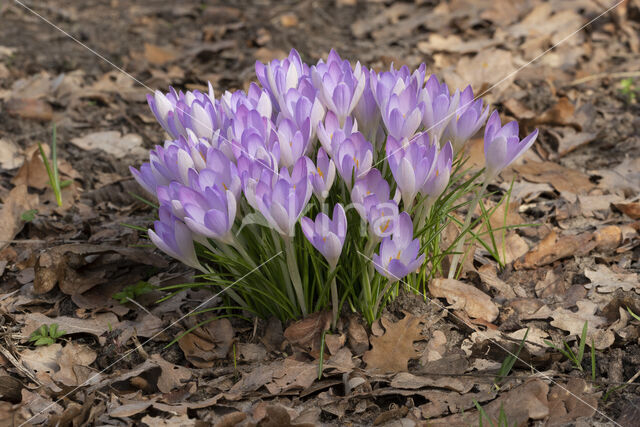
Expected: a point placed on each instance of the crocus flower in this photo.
(502, 144)
(145, 177)
(403, 112)
(399, 254)
(439, 176)
(339, 86)
(282, 202)
(367, 112)
(172, 237)
(387, 83)
(293, 141)
(354, 157)
(278, 76)
(303, 110)
(411, 164)
(381, 217)
(439, 106)
(322, 175)
(209, 212)
(255, 99)
(327, 235)
(469, 118)
(331, 133)
(370, 186)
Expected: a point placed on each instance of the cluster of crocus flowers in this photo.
(307, 141)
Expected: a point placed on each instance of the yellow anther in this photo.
(320, 173)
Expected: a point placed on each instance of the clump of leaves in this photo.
(629, 90)
(576, 358)
(46, 335)
(132, 292)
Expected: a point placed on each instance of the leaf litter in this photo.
(580, 184)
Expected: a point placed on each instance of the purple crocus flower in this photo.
(370, 186)
(502, 144)
(382, 217)
(469, 118)
(278, 76)
(145, 177)
(322, 175)
(411, 163)
(282, 202)
(331, 133)
(439, 107)
(293, 141)
(172, 237)
(327, 235)
(438, 179)
(354, 157)
(303, 110)
(255, 99)
(399, 254)
(367, 112)
(209, 212)
(168, 196)
(403, 112)
(339, 86)
(387, 83)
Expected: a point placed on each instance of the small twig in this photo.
(139, 348)
(15, 362)
(138, 304)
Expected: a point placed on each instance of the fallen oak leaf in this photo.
(462, 296)
(632, 210)
(14, 205)
(555, 247)
(305, 334)
(392, 351)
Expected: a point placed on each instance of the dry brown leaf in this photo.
(172, 376)
(555, 247)
(607, 281)
(178, 420)
(392, 351)
(10, 154)
(120, 146)
(561, 178)
(306, 333)
(96, 325)
(80, 267)
(207, 343)
(33, 173)
(489, 276)
(15, 204)
(74, 361)
(608, 237)
(453, 43)
(30, 109)
(483, 70)
(292, 374)
(572, 322)
(522, 403)
(465, 297)
(569, 402)
(632, 210)
(358, 338)
(159, 55)
(405, 380)
(559, 114)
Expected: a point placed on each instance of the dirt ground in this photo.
(579, 184)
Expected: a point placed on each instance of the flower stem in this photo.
(334, 299)
(292, 265)
(285, 274)
(376, 307)
(467, 222)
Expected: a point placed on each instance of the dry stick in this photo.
(467, 222)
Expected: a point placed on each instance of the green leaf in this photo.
(44, 341)
(28, 216)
